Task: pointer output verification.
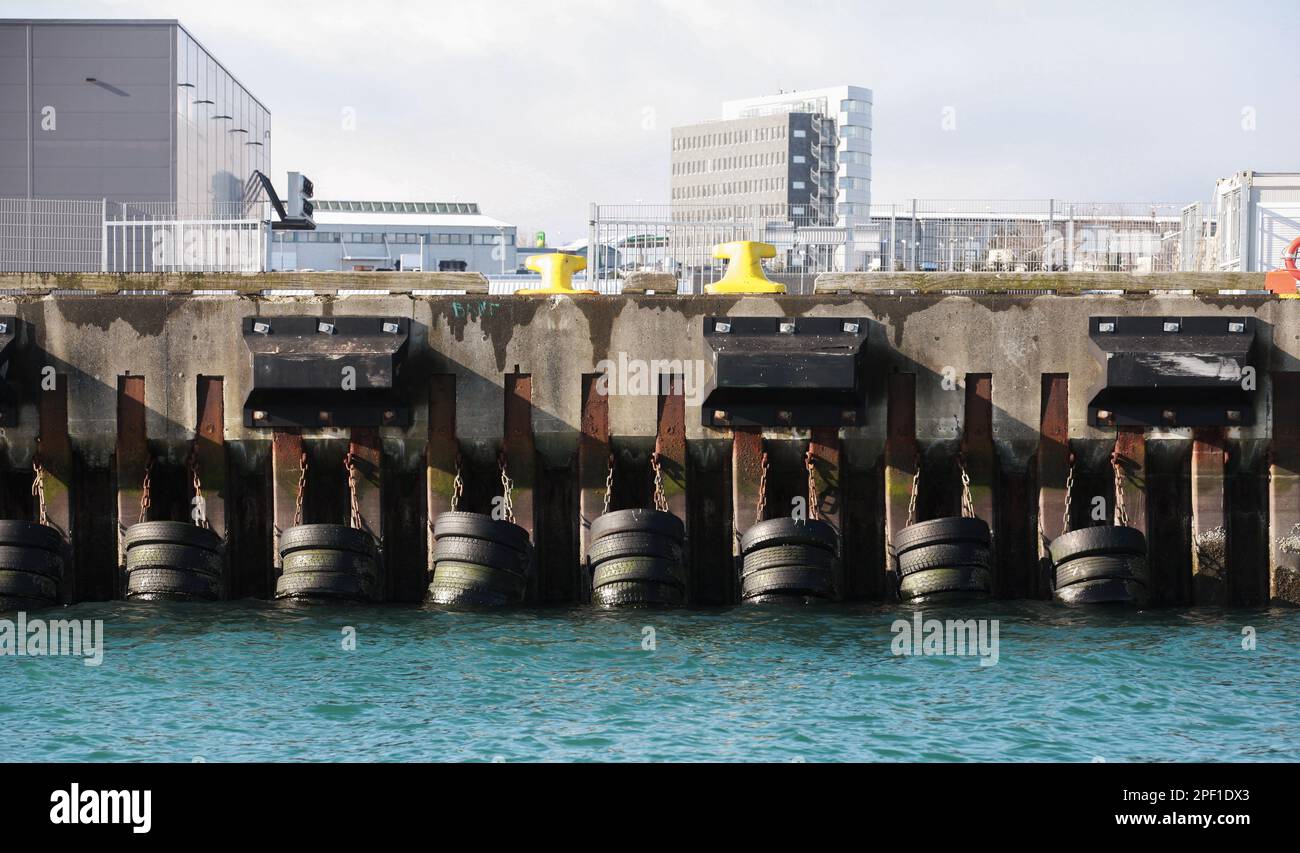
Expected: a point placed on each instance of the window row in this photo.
(728, 137)
(759, 185)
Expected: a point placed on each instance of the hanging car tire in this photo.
(28, 585)
(28, 534)
(623, 545)
(455, 597)
(953, 556)
(158, 582)
(787, 531)
(788, 581)
(321, 585)
(648, 569)
(638, 521)
(171, 533)
(1104, 567)
(1091, 541)
(16, 558)
(807, 556)
(480, 579)
(969, 580)
(1115, 591)
(344, 562)
(475, 526)
(463, 549)
(638, 594)
(942, 531)
(173, 560)
(183, 557)
(331, 563)
(326, 537)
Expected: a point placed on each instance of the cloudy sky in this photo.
(534, 108)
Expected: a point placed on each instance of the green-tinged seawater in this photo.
(255, 681)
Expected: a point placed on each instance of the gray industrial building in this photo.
(123, 110)
(803, 157)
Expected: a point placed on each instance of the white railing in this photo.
(45, 235)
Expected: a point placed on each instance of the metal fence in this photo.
(918, 235)
(45, 235)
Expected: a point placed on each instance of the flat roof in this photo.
(127, 22)
(337, 206)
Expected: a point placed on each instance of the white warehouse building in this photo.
(365, 236)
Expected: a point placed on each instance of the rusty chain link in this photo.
(38, 487)
(507, 487)
(350, 465)
(967, 501)
(762, 489)
(609, 483)
(457, 486)
(1121, 512)
(200, 512)
(1069, 496)
(916, 488)
(814, 500)
(146, 500)
(661, 500)
(302, 489)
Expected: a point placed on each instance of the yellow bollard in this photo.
(745, 270)
(557, 275)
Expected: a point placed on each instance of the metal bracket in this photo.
(792, 372)
(1172, 371)
(311, 372)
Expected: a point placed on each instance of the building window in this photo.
(800, 134)
(799, 158)
(798, 185)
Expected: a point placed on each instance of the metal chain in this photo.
(1069, 494)
(38, 487)
(661, 500)
(814, 500)
(916, 488)
(302, 489)
(507, 487)
(762, 490)
(1121, 512)
(146, 500)
(609, 483)
(457, 485)
(350, 465)
(200, 514)
(967, 502)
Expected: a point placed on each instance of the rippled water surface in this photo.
(255, 681)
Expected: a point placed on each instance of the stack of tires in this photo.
(787, 561)
(30, 565)
(943, 559)
(1100, 565)
(172, 561)
(478, 561)
(327, 563)
(635, 557)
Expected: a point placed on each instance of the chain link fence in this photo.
(918, 235)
